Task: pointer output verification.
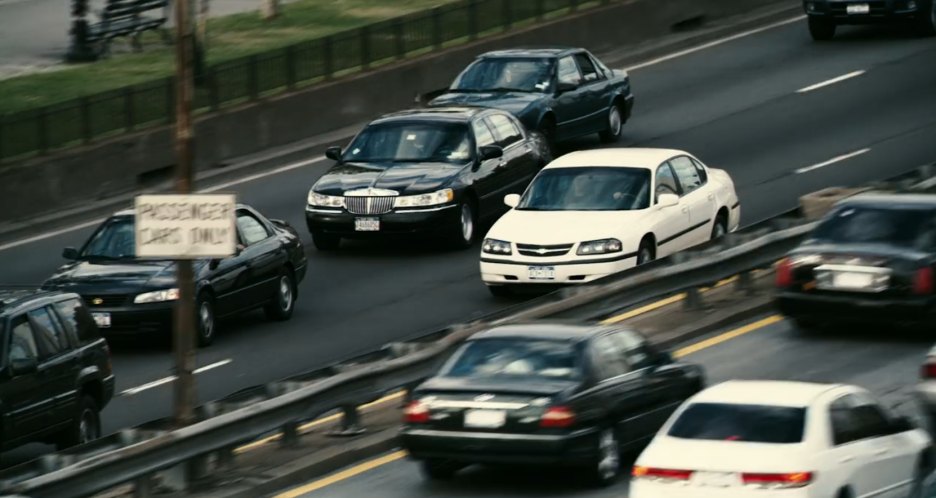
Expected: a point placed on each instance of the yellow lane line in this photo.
(727, 336)
(661, 303)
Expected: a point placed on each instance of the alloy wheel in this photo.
(614, 121)
(609, 463)
(206, 320)
(285, 294)
(467, 223)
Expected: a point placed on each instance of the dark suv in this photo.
(55, 370)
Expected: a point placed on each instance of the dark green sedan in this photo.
(562, 93)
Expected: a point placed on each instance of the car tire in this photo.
(542, 147)
(607, 467)
(281, 308)
(646, 252)
(926, 23)
(326, 241)
(615, 125)
(465, 230)
(206, 322)
(439, 470)
(720, 228)
(918, 486)
(547, 128)
(499, 290)
(821, 29)
(86, 426)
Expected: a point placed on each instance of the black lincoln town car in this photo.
(826, 15)
(435, 172)
(130, 296)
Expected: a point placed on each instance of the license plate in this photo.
(103, 320)
(858, 8)
(367, 224)
(715, 479)
(485, 419)
(541, 273)
(846, 280)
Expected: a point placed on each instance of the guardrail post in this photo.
(745, 283)
(350, 423)
(226, 456)
(693, 299)
(143, 487)
(290, 434)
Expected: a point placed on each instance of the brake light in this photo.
(557, 417)
(778, 481)
(928, 371)
(416, 412)
(642, 472)
(923, 281)
(784, 273)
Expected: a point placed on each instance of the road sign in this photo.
(185, 226)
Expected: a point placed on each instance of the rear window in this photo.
(899, 226)
(747, 423)
(515, 358)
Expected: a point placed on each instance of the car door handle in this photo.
(882, 451)
(846, 459)
(685, 210)
(711, 197)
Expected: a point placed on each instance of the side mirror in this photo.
(333, 153)
(668, 200)
(23, 366)
(566, 87)
(70, 253)
(490, 152)
(512, 200)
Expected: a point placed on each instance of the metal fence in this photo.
(247, 79)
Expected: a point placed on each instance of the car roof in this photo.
(544, 51)
(15, 296)
(132, 211)
(765, 392)
(617, 157)
(461, 113)
(542, 331)
(890, 200)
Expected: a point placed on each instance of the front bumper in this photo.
(495, 271)
(855, 308)
(136, 320)
(878, 10)
(646, 489)
(430, 221)
(576, 448)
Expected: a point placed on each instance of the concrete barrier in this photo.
(130, 162)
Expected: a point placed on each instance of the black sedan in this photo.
(871, 259)
(129, 296)
(435, 172)
(562, 93)
(825, 15)
(549, 394)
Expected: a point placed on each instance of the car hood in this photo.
(405, 178)
(113, 276)
(733, 456)
(564, 227)
(513, 102)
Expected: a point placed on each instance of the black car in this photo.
(825, 15)
(435, 172)
(870, 260)
(56, 375)
(546, 393)
(562, 93)
(129, 296)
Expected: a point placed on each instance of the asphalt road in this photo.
(735, 105)
(888, 367)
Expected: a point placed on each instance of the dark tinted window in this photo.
(412, 142)
(687, 173)
(703, 175)
(635, 348)
(76, 320)
(115, 240)
(22, 340)
(568, 72)
(515, 358)
(251, 230)
(899, 226)
(588, 189)
(747, 423)
(51, 338)
(610, 357)
(589, 72)
(505, 74)
(505, 130)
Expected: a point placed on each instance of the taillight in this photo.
(778, 481)
(928, 370)
(784, 273)
(416, 412)
(557, 417)
(642, 472)
(923, 281)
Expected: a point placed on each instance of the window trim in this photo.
(581, 77)
(481, 121)
(599, 76)
(240, 235)
(500, 141)
(629, 368)
(43, 354)
(656, 184)
(9, 338)
(679, 180)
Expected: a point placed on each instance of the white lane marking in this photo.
(832, 81)
(832, 161)
(289, 167)
(715, 43)
(166, 380)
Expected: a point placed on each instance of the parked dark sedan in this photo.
(431, 171)
(871, 259)
(562, 93)
(826, 15)
(546, 393)
(128, 296)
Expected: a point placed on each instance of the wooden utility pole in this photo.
(185, 322)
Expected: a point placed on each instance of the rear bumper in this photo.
(644, 489)
(880, 11)
(577, 448)
(853, 308)
(433, 221)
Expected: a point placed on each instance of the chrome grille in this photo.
(539, 251)
(104, 300)
(368, 205)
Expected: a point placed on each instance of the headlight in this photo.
(317, 199)
(423, 200)
(603, 246)
(157, 296)
(494, 246)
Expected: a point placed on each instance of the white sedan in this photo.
(592, 213)
(771, 439)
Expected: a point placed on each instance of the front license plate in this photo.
(858, 8)
(857, 281)
(103, 320)
(541, 273)
(485, 419)
(715, 479)
(367, 224)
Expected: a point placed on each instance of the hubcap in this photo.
(467, 223)
(645, 255)
(86, 427)
(285, 294)
(610, 460)
(719, 230)
(207, 319)
(614, 121)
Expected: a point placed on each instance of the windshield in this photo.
(515, 358)
(412, 142)
(115, 240)
(588, 189)
(746, 423)
(507, 74)
(903, 227)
